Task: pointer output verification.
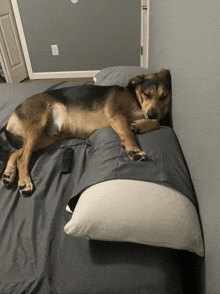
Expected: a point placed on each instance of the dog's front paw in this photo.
(136, 126)
(25, 186)
(137, 155)
(9, 175)
(144, 125)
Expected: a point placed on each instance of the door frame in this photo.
(144, 45)
(4, 68)
(145, 8)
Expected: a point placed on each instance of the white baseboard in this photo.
(64, 74)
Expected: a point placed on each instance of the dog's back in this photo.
(86, 96)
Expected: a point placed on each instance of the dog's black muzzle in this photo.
(152, 114)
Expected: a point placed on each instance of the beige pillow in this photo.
(137, 211)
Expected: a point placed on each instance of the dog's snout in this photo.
(152, 114)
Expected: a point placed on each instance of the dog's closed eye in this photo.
(147, 96)
(162, 98)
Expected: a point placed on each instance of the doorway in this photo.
(13, 66)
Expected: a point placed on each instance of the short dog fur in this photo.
(78, 112)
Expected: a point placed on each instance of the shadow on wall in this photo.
(2, 76)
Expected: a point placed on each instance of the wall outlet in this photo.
(55, 50)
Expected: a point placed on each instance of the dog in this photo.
(78, 112)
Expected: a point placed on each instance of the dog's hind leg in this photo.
(24, 182)
(120, 124)
(37, 139)
(11, 168)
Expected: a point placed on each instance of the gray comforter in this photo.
(36, 256)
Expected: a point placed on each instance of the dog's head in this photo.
(153, 93)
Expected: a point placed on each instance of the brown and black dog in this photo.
(79, 111)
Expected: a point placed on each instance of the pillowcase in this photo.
(137, 211)
(119, 75)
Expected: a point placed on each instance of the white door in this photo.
(11, 55)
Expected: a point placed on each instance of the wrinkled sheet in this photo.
(104, 159)
(36, 256)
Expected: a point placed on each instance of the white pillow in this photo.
(137, 211)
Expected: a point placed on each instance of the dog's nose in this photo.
(152, 114)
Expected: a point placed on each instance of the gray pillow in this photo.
(119, 75)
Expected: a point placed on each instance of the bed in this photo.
(106, 225)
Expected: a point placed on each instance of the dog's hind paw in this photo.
(25, 187)
(137, 155)
(9, 176)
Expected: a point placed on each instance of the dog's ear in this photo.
(164, 72)
(136, 81)
(166, 78)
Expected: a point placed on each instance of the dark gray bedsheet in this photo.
(102, 158)
(36, 256)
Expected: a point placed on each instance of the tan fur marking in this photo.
(80, 124)
(15, 125)
(149, 76)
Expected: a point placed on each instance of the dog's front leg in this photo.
(120, 124)
(144, 125)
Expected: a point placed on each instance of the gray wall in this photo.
(185, 37)
(91, 34)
